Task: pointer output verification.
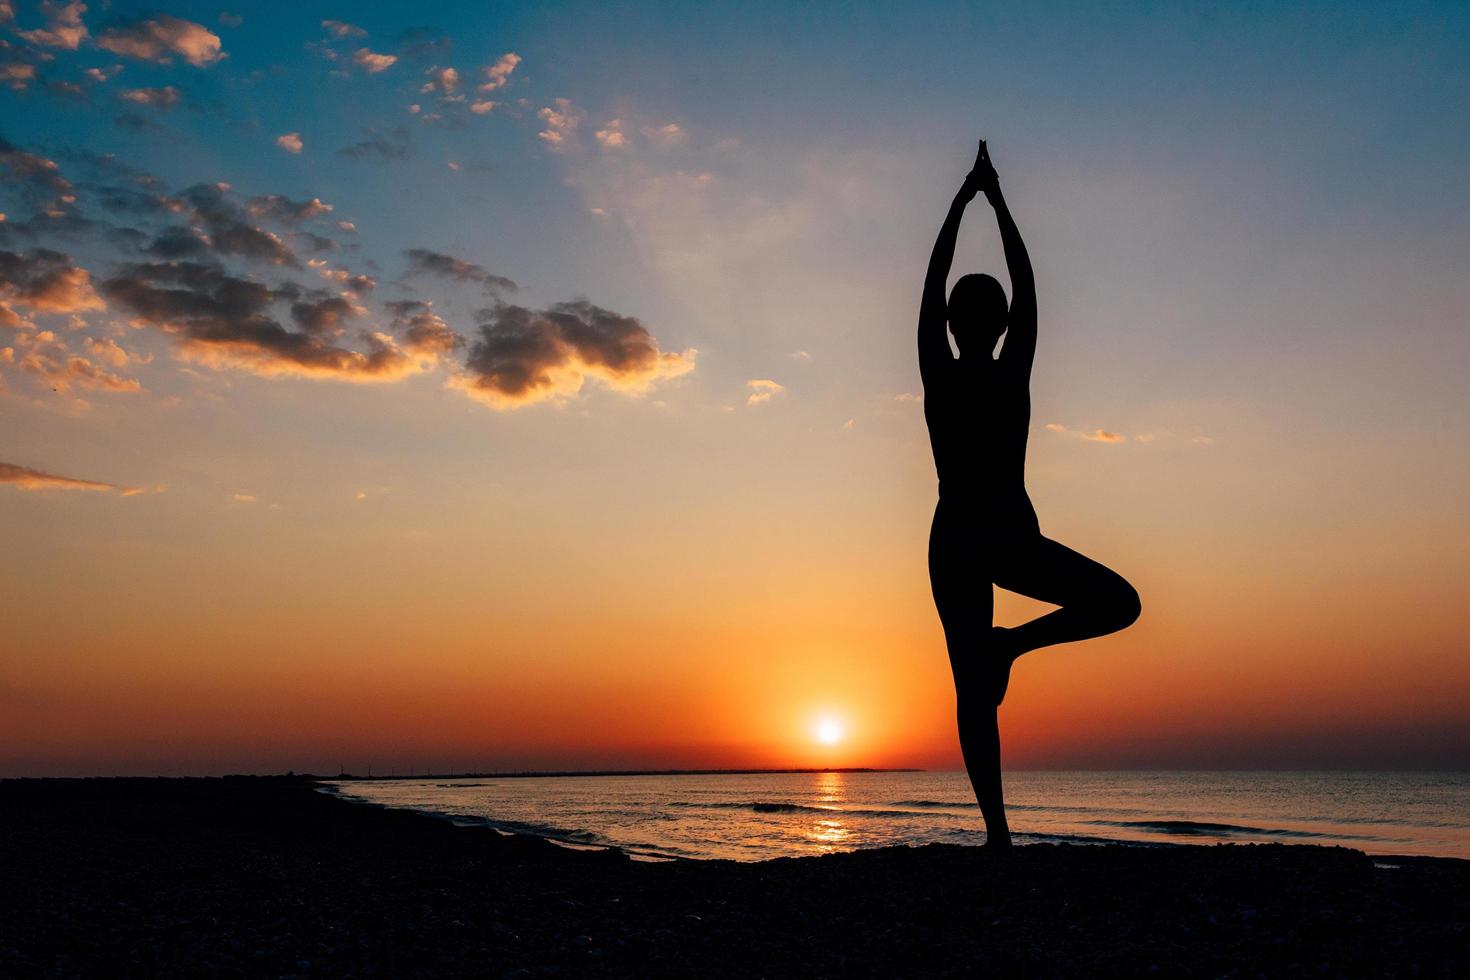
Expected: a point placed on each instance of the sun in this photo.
(829, 731)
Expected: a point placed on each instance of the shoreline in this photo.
(472, 822)
(504, 828)
(1173, 832)
(267, 876)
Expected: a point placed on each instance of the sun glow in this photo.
(829, 731)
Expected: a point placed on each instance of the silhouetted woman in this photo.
(978, 408)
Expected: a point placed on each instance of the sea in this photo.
(755, 816)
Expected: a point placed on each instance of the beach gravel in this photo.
(266, 877)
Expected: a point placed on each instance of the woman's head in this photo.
(977, 312)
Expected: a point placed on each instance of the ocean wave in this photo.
(764, 806)
(759, 806)
(1196, 828)
(1028, 807)
(1040, 837)
(936, 804)
(530, 828)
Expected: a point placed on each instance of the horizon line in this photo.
(545, 773)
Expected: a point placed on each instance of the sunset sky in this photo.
(472, 386)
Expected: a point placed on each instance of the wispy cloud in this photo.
(392, 146)
(1092, 435)
(158, 39)
(109, 350)
(39, 178)
(498, 74)
(341, 29)
(373, 62)
(1163, 439)
(64, 28)
(282, 208)
(441, 80)
(562, 119)
(423, 261)
(423, 43)
(17, 75)
(165, 97)
(611, 135)
(667, 136)
(25, 478)
(48, 357)
(762, 390)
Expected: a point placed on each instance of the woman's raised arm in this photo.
(1019, 349)
(933, 307)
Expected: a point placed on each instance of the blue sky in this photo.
(1248, 223)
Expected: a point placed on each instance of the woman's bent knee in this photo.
(1126, 606)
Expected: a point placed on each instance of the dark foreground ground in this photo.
(265, 877)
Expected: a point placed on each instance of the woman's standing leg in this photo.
(962, 593)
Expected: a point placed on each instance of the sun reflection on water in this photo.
(830, 788)
(829, 833)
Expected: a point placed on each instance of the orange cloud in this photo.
(382, 362)
(25, 478)
(158, 38)
(561, 124)
(371, 62)
(612, 136)
(109, 350)
(424, 332)
(498, 74)
(341, 29)
(441, 80)
(17, 75)
(49, 359)
(1092, 435)
(223, 321)
(762, 390)
(282, 208)
(43, 281)
(165, 97)
(64, 28)
(667, 136)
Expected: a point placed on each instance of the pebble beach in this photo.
(267, 877)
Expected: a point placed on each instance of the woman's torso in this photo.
(979, 417)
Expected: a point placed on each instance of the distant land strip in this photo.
(529, 774)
